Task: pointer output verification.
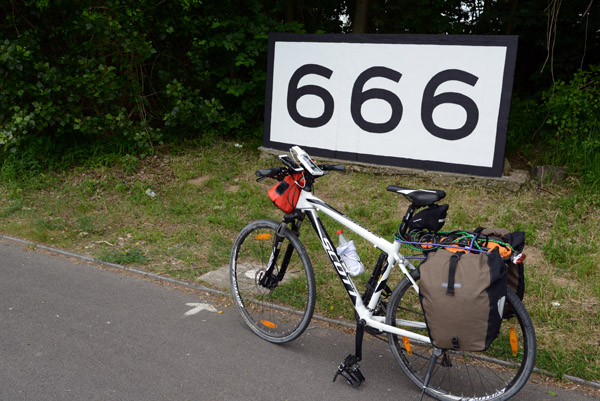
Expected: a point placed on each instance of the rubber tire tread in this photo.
(310, 279)
(525, 323)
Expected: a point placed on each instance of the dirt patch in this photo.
(199, 181)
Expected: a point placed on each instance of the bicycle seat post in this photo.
(404, 225)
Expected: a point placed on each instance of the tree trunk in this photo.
(361, 17)
(290, 10)
(513, 10)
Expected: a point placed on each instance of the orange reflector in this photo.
(514, 343)
(270, 325)
(407, 345)
(264, 236)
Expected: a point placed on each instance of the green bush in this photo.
(574, 120)
(84, 78)
(526, 118)
(72, 76)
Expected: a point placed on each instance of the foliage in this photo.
(123, 257)
(574, 118)
(422, 17)
(89, 77)
(73, 80)
(526, 118)
(92, 81)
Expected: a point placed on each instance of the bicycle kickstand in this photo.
(434, 356)
(349, 369)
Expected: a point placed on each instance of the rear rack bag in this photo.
(463, 296)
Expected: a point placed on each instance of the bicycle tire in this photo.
(280, 314)
(496, 374)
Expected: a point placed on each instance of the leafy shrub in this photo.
(574, 120)
(526, 118)
(82, 78)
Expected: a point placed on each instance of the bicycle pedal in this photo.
(350, 370)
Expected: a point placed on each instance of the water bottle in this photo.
(347, 251)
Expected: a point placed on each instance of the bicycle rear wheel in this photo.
(280, 310)
(496, 374)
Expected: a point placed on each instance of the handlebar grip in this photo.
(334, 167)
(265, 172)
(274, 172)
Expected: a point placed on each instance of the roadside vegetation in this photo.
(177, 213)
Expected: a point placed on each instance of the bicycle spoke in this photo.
(495, 374)
(276, 310)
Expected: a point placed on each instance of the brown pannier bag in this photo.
(463, 296)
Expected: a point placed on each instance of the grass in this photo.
(125, 256)
(206, 194)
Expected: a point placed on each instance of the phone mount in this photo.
(306, 162)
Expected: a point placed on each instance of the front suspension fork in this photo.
(269, 279)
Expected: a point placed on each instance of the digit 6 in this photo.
(295, 93)
(430, 102)
(359, 97)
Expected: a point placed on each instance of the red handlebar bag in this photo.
(286, 193)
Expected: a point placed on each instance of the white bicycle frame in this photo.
(310, 205)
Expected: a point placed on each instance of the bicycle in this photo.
(273, 286)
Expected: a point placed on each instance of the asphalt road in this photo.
(71, 330)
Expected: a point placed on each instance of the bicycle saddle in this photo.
(419, 197)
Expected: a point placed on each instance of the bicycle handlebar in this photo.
(280, 172)
(274, 172)
(332, 167)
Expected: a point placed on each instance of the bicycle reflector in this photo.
(268, 324)
(514, 343)
(407, 345)
(517, 259)
(264, 236)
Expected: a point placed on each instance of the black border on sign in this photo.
(510, 42)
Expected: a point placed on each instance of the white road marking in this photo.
(198, 307)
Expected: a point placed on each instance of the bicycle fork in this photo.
(268, 279)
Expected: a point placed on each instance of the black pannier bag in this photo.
(431, 219)
(463, 296)
(516, 268)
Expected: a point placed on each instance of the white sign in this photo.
(434, 102)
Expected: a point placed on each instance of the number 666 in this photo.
(359, 96)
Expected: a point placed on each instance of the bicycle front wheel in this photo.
(496, 374)
(280, 309)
